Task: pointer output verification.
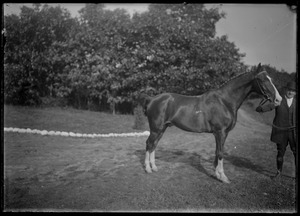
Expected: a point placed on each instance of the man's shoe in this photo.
(277, 176)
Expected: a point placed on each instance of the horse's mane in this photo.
(233, 78)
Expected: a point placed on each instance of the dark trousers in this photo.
(281, 148)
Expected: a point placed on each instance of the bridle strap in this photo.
(262, 91)
(263, 101)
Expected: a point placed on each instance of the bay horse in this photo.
(214, 111)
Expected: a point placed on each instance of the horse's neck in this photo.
(237, 90)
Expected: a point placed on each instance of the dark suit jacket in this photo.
(284, 117)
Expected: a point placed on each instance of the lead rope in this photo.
(275, 126)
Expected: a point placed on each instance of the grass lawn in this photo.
(83, 121)
(55, 173)
(70, 120)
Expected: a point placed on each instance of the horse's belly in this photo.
(192, 123)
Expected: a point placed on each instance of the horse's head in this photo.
(263, 85)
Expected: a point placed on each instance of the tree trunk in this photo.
(113, 107)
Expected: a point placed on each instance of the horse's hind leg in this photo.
(151, 144)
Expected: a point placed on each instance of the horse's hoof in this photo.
(225, 181)
(222, 177)
(154, 168)
(218, 176)
(148, 170)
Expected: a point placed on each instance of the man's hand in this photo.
(259, 109)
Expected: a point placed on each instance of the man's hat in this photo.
(291, 86)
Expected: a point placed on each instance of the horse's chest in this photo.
(221, 118)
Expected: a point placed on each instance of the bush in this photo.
(19, 87)
(140, 119)
(49, 101)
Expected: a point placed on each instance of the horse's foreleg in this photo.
(152, 161)
(219, 170)
(147, 162)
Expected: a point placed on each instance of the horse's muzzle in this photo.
(277, 102)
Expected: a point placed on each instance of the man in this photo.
(283, 130)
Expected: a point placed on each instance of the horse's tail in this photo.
(143, 100)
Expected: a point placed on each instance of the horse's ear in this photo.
(258, 67)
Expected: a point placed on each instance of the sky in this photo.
(266, 33)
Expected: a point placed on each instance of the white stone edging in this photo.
(71, 134)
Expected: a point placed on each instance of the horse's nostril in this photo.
(277, 101)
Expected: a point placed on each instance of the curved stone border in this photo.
(71, 134)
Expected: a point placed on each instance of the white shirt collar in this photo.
(289, 101)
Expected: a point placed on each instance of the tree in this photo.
(280, 78)
(180, 49)
(28, 39)
(105, 58)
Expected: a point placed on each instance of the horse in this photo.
(214, 111)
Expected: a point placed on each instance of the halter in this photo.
(264, 100)
(266, 96)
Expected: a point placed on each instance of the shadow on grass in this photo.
(245, 163)
(178, 156)
(197, 161)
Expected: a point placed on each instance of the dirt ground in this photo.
(50, 173)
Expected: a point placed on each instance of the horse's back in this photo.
(168, 100)
(174, 109)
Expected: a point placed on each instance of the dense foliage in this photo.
(281, 78)
(104, 59)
